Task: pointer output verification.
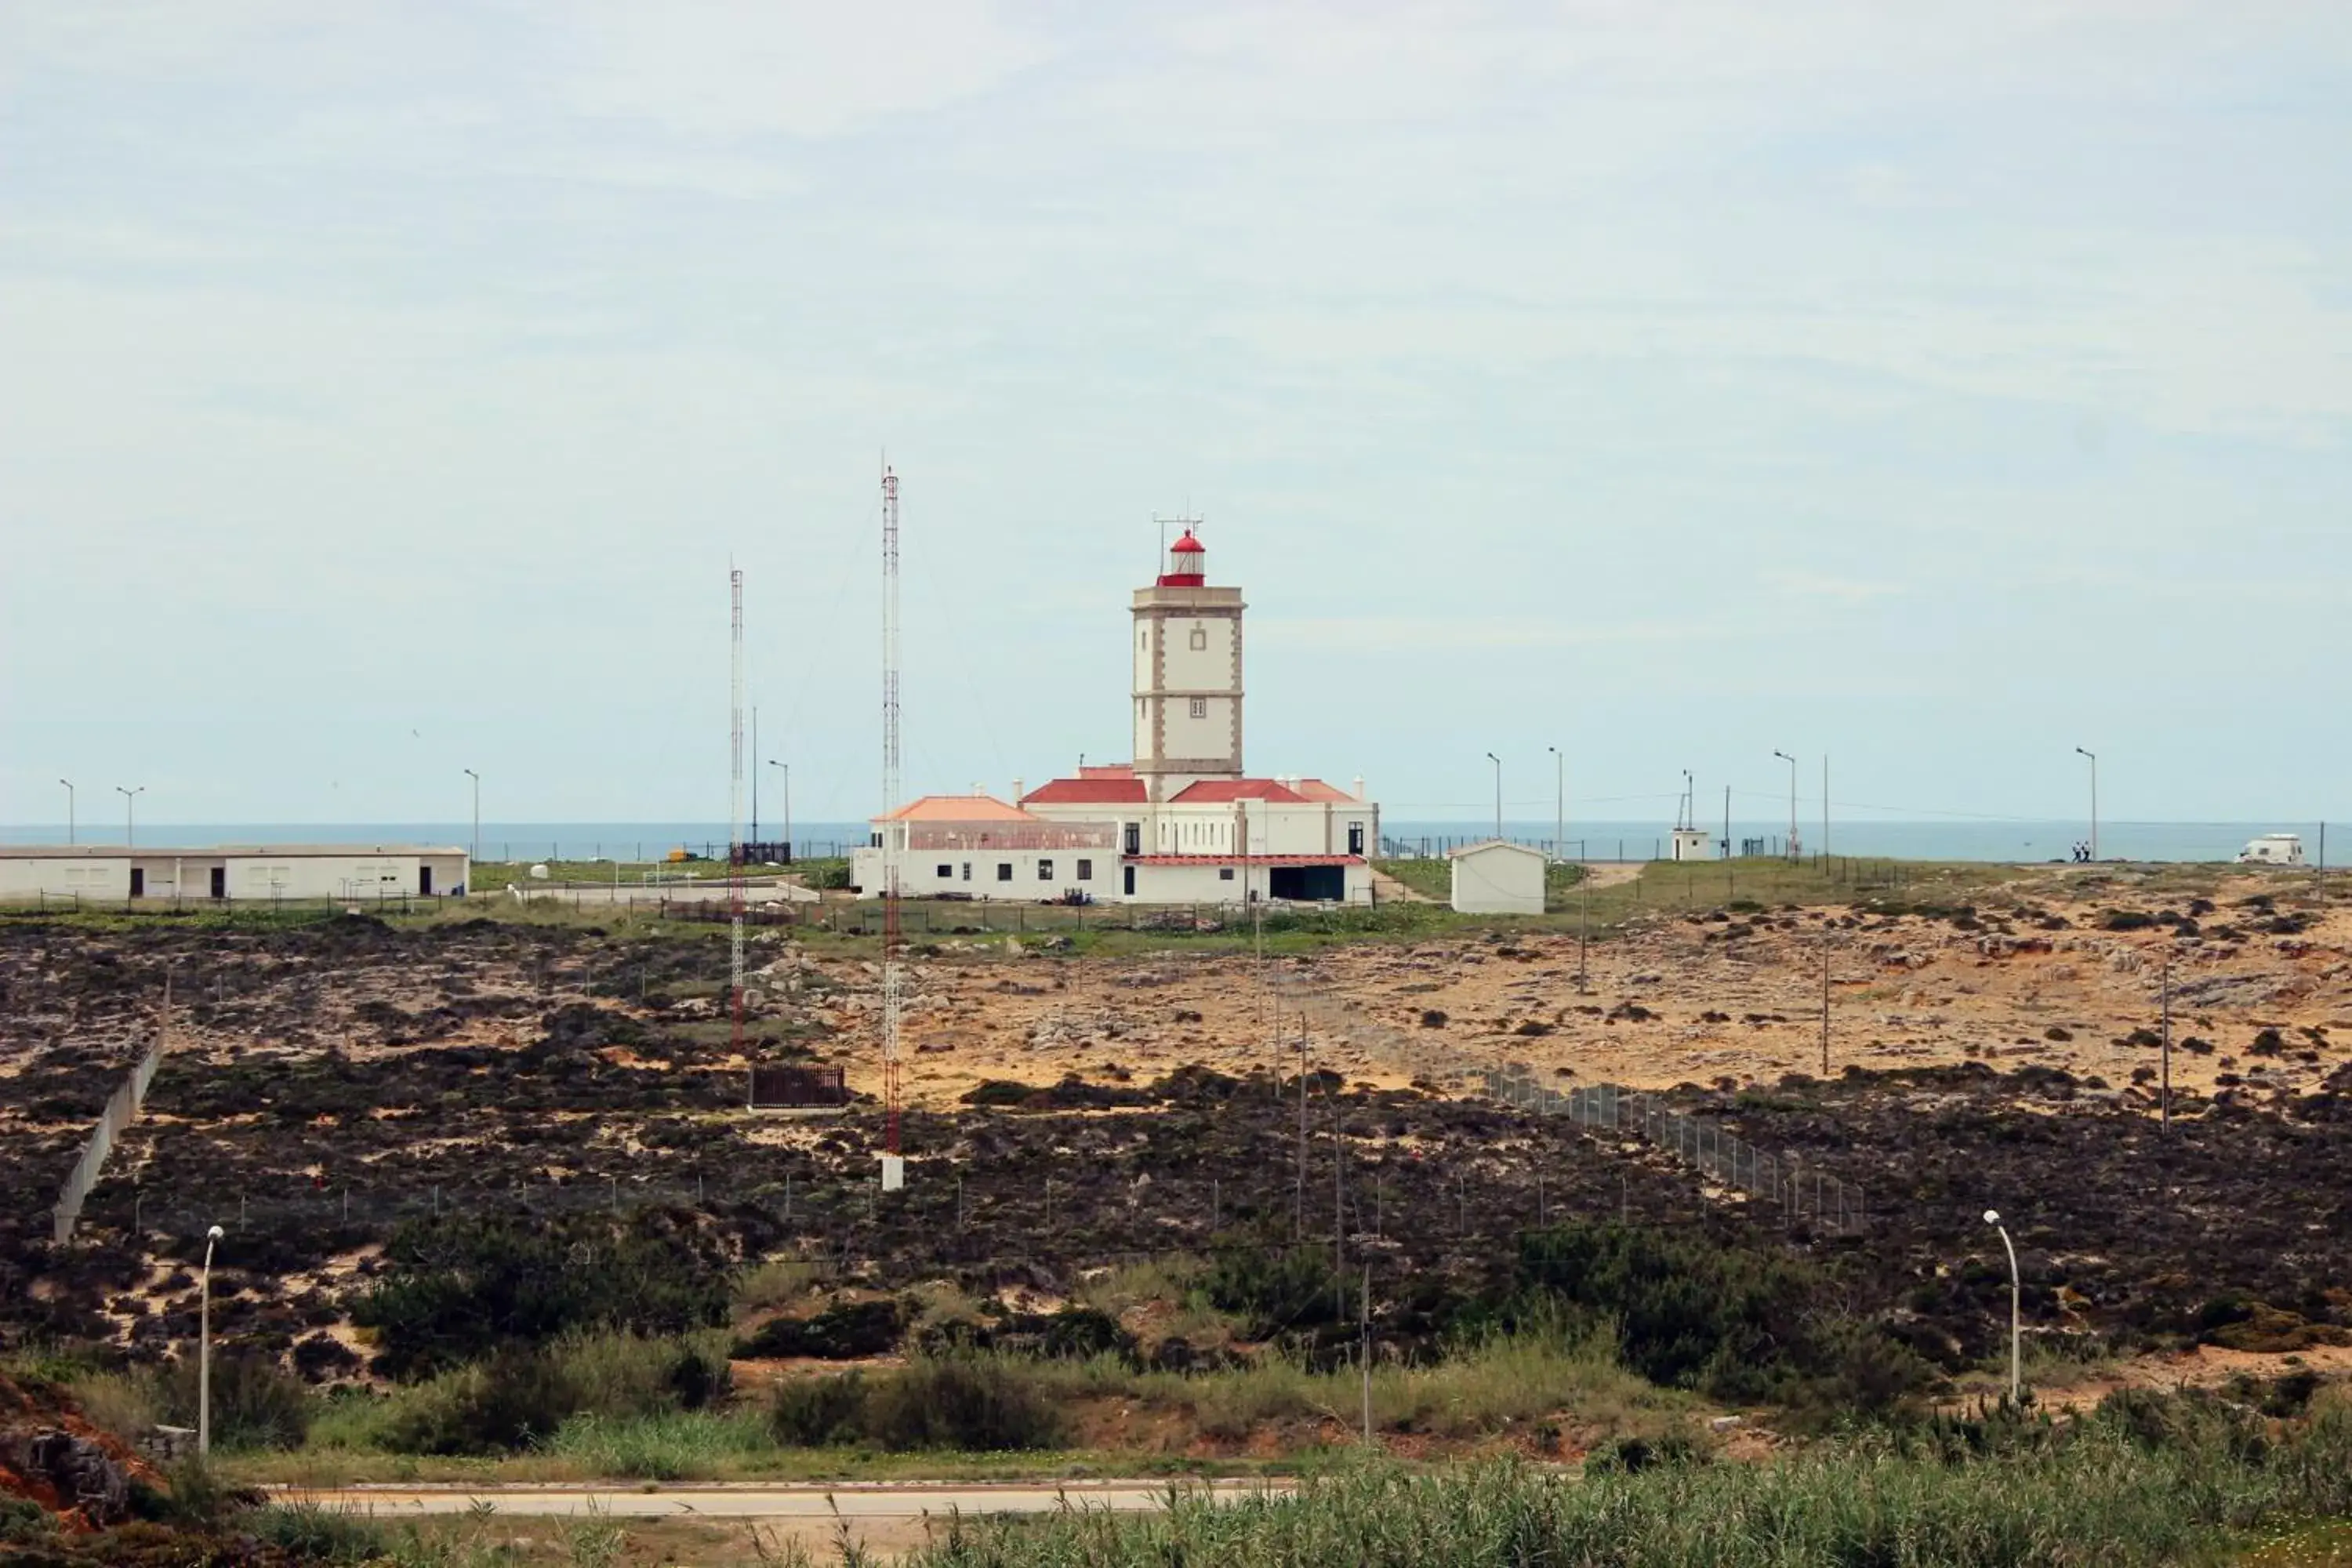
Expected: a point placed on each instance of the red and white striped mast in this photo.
(893, 1170)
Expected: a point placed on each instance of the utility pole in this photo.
(2095, 803)
(1559, 805)
(787, 767)
(1825, 809)
(1825, 1006)
(477, 820)
(1299, 1217)
(755, 776)
(1792, 801)
(2165, 1098)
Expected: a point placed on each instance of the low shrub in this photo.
(974, 1403)
(257, 1403)
(846, 1331)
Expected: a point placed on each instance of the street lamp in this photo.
(477, 814)
(1498, 793)
(2016, 1384)
(205, 1347)
(2095, 801)
(1792, 801)
(788, 806)
(1559, 805)
(70, 809)
(130, 800)
(755, 774)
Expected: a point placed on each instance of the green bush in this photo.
(1736, 1324)
(517, 1396)
(457, 1289)
(1272, 1287)
(257, 1403)
(846, 1331)
(819, 1412)
(975, 1403)
(979, 1403)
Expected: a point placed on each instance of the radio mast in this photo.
(893, 1168)
(735, 808)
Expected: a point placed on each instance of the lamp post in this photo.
(70, 809)
(2095, 801)
(1498, 793)
(788, 806)
(129, 813)
(1792, 801)
(1559, 805)
(477, 815)
(755, 774)
(2016, 1384)
(205, 1347)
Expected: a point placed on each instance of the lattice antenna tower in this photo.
(735, 808)
(892, 937)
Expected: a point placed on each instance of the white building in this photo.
(1497, 877)
(1183, 823)
(1692, 844)
(110, 873)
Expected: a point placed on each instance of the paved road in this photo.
(862, 1500)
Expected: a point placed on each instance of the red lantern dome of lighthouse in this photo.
(1187, 565)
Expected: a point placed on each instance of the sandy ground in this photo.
(1675, 1000)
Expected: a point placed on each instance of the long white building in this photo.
(1183, 823)
(225, 872)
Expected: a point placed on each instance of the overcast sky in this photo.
(385, 389)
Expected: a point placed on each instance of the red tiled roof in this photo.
(1216, 792)
(1243, 859)
(1316, 789)
(1124, 789)
(1108, 771)
(957, 808)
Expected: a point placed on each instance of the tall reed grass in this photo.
(2123, 1491)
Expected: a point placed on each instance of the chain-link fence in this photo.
(1778, 1182)
(121, 1111)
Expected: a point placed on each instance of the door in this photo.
(220, 881)
(138, 881)
(1128, 881)
(425, 881)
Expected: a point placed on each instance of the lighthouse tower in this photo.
(1187, 674)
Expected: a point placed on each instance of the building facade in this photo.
(1183, 823)
(231, 872)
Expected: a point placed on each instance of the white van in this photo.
(2273, 849)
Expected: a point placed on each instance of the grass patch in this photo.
(2109, 1491)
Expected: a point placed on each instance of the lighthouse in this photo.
(1187, 674)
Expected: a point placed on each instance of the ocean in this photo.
(2002, 840)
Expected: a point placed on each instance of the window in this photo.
(1200, 639)
(1224, 873)
(1200, 707)
(1044, 871)
(874, 841)
(1134, 838)
(967, 872)
(1086, 871)
(1355, 838)
(1005, 870)
(944, 872)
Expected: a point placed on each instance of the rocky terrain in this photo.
(1071, 1110)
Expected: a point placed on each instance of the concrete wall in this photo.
(981, 873)
(247, 877)
(93, 877)
(1498, 879)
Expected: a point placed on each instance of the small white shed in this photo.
(1692, 844)
(1496, 877)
